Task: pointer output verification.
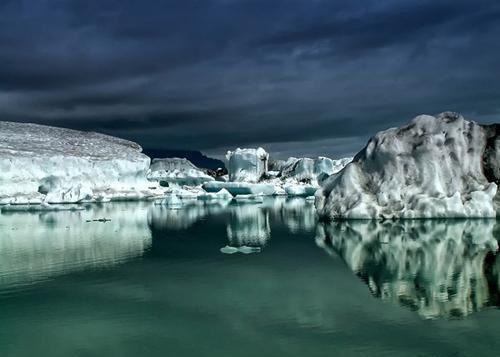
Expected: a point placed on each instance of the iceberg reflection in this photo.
(35, 246)
(438, 268)
(163, 217)
(248, 226)
(297, 213)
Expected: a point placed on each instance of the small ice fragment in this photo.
(228, 250)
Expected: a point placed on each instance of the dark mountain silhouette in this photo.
(196, 157)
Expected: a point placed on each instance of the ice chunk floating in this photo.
(443, 166)
(54, 165)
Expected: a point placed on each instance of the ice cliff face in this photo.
(443, 166)
(177, 171)
(54, 165)
(247, 165)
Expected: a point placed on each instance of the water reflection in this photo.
(296, 213)
(35, 246)
(438, 268)
(248, 226)
(162, 217)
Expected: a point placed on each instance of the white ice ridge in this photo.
(443, 166)
(247, 165)
(54, 165)
(178, 171)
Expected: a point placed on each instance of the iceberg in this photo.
(443, 166)
(303, 176)
(300, 189)
(309, 170)
(177, 171)
(40, 163)
(172, 201)
(249, 174)
(220, 195)
(247, 165)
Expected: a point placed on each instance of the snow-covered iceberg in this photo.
(311, 170)
(303, 176)
(443, 166)
(54, 165)
(247, 165)
(178, 171)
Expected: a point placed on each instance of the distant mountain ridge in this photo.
(196, 157)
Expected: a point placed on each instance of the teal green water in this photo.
(153, 282)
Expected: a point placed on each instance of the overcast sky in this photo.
(306, 77)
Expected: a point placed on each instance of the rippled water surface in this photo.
(138, 279)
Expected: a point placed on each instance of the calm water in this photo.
(153, 282)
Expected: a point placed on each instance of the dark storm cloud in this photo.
(314, 77)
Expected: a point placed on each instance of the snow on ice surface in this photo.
(178, 171)
(54, 165)
(247, 165)
(432, 167)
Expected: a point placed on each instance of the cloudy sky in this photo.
(307, 77)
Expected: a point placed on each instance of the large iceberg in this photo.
(177, 171)
(443, 166)
(54, 165)
(247, 165)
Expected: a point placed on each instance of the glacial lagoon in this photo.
(129, 279)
